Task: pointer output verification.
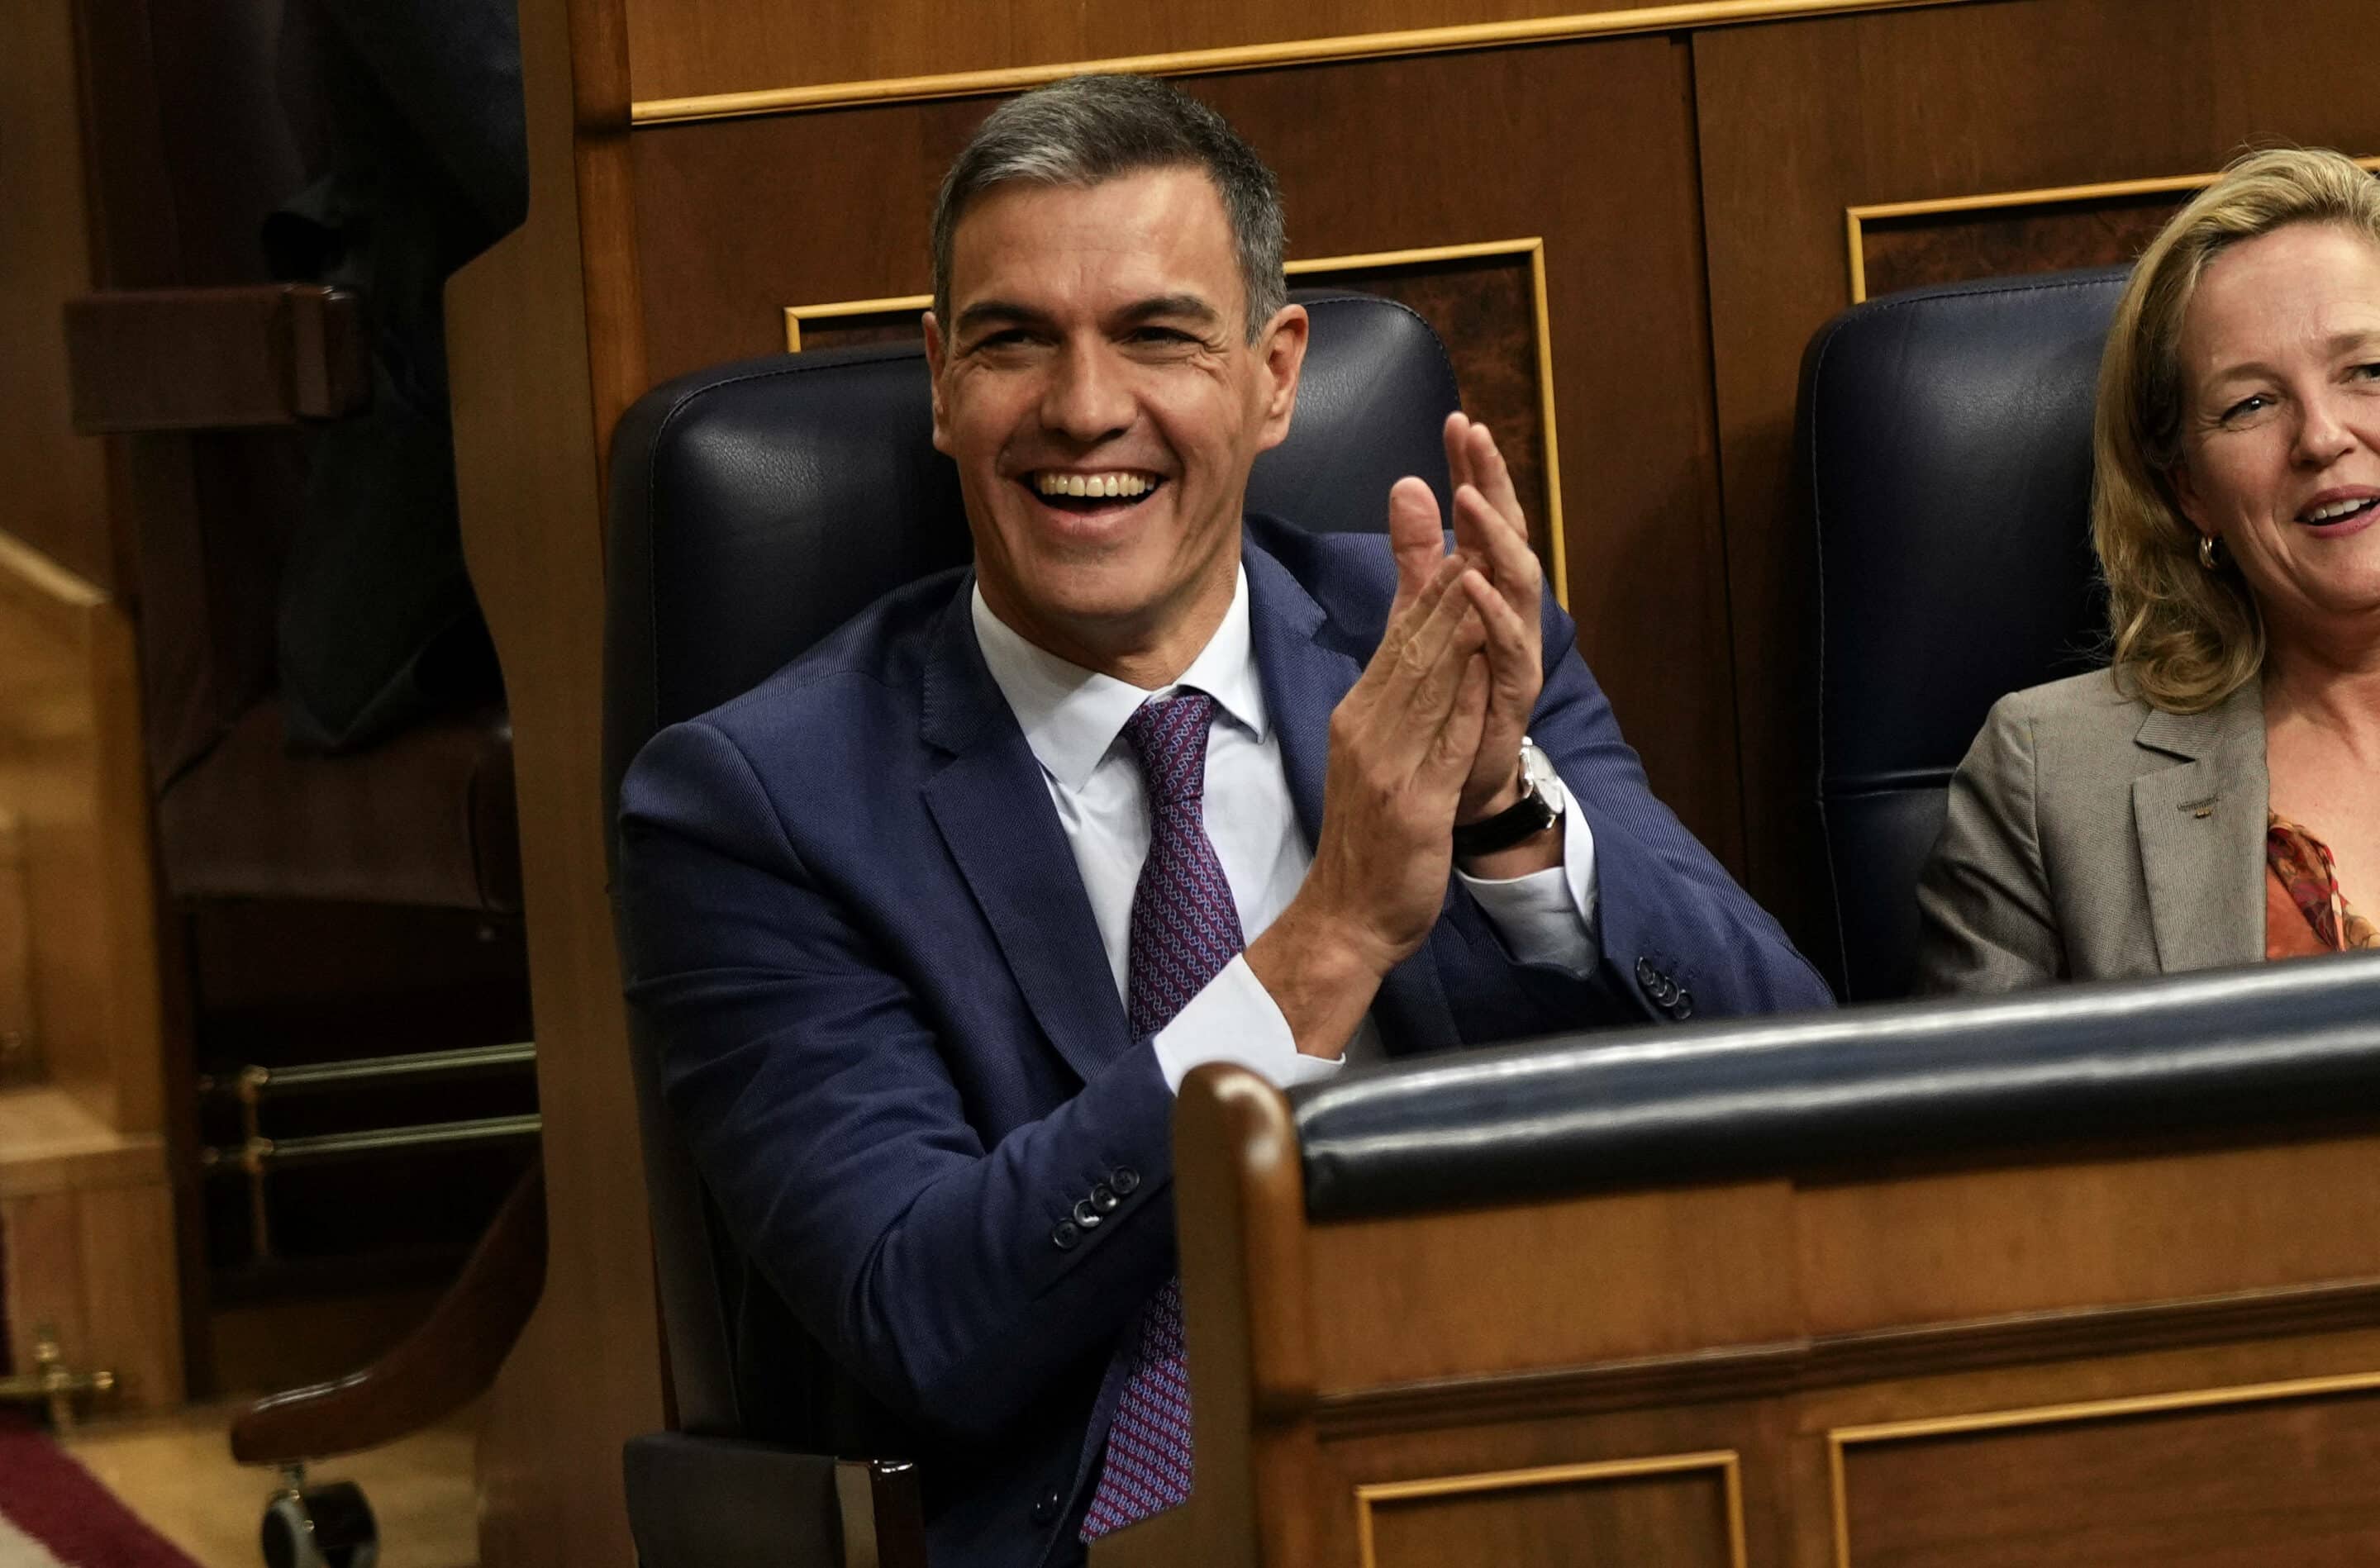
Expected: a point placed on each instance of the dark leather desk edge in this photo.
(1735, 1098)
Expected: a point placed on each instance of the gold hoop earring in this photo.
(2207, 551)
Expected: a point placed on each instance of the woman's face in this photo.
(2280, 362)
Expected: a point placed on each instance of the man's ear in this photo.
(1282, 348)
(934, 350)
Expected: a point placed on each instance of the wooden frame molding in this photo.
(34, 583)
(1857, 219)
(1842, 1438)
(1772, 1370)
(1256, 56)
(1725, 1460)
(1532, 248)
(843, 309)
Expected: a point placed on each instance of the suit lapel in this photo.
(1306, 663)
(992, 808)
(1302, 673)
(2201, 825)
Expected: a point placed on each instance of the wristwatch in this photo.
(1543, 800)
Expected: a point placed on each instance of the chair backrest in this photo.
(757, 506)
(1945, 436)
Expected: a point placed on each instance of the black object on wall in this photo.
(412, 119)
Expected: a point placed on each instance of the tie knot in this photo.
(1168, 736)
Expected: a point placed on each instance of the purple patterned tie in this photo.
(1184, 929)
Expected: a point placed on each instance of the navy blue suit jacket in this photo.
(894, 1044)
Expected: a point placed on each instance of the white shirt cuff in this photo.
(1547, 917)
(1236, 1019)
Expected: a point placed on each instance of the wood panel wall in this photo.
(543, 353)
(1689, 169)
(53, 498)
(87, 1235)
(683, 49)
(71, 775)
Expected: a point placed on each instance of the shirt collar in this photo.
(1072, 716)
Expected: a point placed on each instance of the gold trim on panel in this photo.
(1254, 56)
(1533, 247)
(1855, 219)
(892, 304)
(1724, 1460)
(1841, 1438)
(32, 584)
(21, 564)
(1560, 565)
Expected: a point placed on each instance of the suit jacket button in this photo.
(1683, 1007)
(1065, 1235)
(1084, 1215)
(1045, 1507)
(1125, 1180)
(1104, 1198)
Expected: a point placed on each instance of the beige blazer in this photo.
(2091, 836)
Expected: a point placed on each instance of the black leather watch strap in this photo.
(1524, 818)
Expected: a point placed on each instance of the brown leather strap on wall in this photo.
(216, 358)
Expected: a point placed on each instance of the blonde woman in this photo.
(2214, 796)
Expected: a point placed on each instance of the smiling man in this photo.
(936, 920)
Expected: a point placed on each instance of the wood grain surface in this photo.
(19, 1036)
(1602, 1519)
(682, 48)
(2231, 1485)
(1921, 251)
(2070, 1356)
(541, 358)
(72, 772)
(91, 1262)
(56, 498)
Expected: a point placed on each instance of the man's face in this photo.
(1097, 391)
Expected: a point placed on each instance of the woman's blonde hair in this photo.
(2185, 637)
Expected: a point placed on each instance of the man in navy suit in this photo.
(936, 919)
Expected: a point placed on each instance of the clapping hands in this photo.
(1429, 737)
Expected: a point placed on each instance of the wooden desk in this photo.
(2165, 1353)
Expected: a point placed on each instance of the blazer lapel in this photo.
(2201, 825)
(1306, 663)
(992, 807)
(1304, 672)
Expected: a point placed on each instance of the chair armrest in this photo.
(438, 1369)
(714, 1503)
(216, 358)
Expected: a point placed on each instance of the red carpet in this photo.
(54, 1515)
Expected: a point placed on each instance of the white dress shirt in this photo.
(1073, 720)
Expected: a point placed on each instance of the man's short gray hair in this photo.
(1087, 129)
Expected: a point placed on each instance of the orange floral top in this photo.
(2304, 911)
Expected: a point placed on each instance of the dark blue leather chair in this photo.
(1945, 447)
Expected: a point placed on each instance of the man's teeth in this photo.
(1093, 484)
(2337, 508)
